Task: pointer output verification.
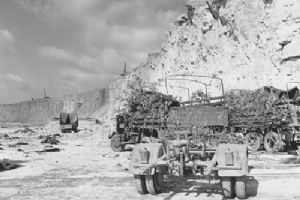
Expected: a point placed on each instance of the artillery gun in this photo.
(192, 141)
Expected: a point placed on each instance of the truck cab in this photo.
(68, 122)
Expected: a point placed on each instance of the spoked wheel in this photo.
(155, 183)
(140, 184)
(253, 141)
(272, 142)
(224, 138)
(116, 144)
(227, 185)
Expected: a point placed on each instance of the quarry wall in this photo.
(43, 110)
(37, 111)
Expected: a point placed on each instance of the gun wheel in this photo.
(154, 183)
(116, 144)
(253, 141)
(140, 184)
(227, 185)
(240, 187)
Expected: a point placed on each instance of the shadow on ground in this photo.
(192, 186)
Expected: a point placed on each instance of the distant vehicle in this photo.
(68, 122)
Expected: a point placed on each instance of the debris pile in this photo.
(21, 143)
(25, 130)
(55, 149)
(50, 140)
(6, 164)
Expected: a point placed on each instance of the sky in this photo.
(70, 46)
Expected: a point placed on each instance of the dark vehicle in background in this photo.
(68, 122)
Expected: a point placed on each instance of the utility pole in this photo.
(45, 93)
(124, 70)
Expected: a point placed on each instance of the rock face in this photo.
(249, 44)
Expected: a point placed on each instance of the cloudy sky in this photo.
(69, 46)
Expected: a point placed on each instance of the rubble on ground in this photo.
(50, 139)
(21, 143)
(55, 149)
(6, 164)
(25, 130)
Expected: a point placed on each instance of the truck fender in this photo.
(235, 163)
(145, 157)
(111, 135)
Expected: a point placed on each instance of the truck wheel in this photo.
(154, 183)
(140, 184)
(253, 141)
(272, 142)
(75, 130)
(115, 143)
(227, 185)
(240, 187)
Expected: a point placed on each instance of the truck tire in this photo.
(75, 130)
(115, 143)
(240, 187)
(253, 140)
(272, 142)
(140, 184)
(227, 185)
(154, 183)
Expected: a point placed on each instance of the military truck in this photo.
(192, 140)
(68, 122)
(141, 123)
(269, 118)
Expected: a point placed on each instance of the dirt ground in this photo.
(86, 168)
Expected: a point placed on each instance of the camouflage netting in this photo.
(149, 107)
(256, 108)
(146, 105)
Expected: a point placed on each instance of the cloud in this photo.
(6, 36)
(76, 45)
(11, 78)
(56, 53)
(7, 41)
(14, 77)
(99, 63)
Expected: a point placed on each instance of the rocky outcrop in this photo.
(249, 44)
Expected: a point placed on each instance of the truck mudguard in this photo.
(145, 156)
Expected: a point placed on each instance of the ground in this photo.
(86, 168)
